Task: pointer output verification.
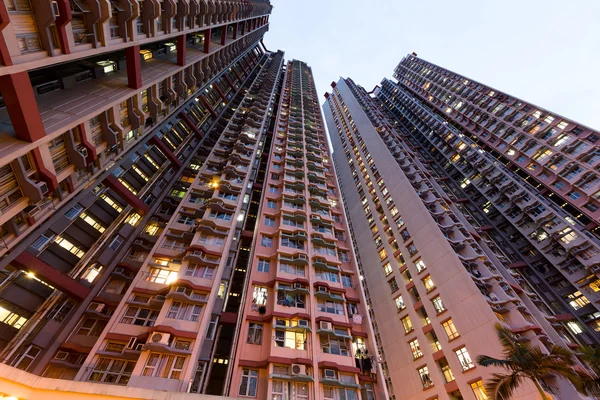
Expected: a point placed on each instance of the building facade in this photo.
(305, 332)
(453, 245)
(115, 114)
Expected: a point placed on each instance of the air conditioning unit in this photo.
(298, 369)
(326, 326)
(180, 289)
(97, 307)
(119, 270)
(494, 297)
(138, 241)
(322, 289)
(298, 286)
(133, 342)
(329, 373)
(61, 355)
(303, 323)
(280, 322)
(160, 297)
(159, 338)
(42, 186)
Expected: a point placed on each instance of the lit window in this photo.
(464, 358)
(382, 254)
(92, 272)
(420, 265)
(479, 390)
(133, 219)
(399, 303)
(407, 324)
(415, 349)
(438, 304)
(450, 329)
(259, 296)
(428, 283)
(387, 268)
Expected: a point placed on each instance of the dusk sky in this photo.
(543, 51)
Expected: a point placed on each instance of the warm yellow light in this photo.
(30, 275)
(172, 278)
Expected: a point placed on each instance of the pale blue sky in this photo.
(543, 51)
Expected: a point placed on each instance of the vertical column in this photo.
(5, 57)
(235, 30)
(207, 35)
(22, 107)
(61, 22)
(181, 50)
(134, 69)
(224, 35)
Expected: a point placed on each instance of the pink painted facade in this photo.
(305, 321)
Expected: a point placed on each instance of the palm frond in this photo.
(501, 387)
(487, 361)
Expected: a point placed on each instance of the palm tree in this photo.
(591, 382)
(526, 362)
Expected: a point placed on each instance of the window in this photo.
(405, 235)
(162, 276)
(139, 316)
(464, 358)
(347, 281)
(393, 285)
(249, 382)
(428, 283)
(450, 329)
(70, 247)
(259, 296)
(87, 218)
(290, 339)
(387, 268)
(399, 303)
(263, 265)
(479, 390)
(577, 300)
(273, 189)
(425, 379)
(110, 370)
(382, 254)
(407, 324)
(212, 327)
(415, 349)
(255, 332)
(266, 241)
(343, 255)
(330, 307)
(91, 273)
(574, 327)
(220, 215)
(412, 250)
(331, 393)
(269, 221)
(333, 345)
(164, 366)
(184, 311)
(438, 304)
(91, 327)
(199, 271)
(292, 269)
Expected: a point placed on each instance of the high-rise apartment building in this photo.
(468, 208)
(305, 332)
(171, 220)
(115, 114)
